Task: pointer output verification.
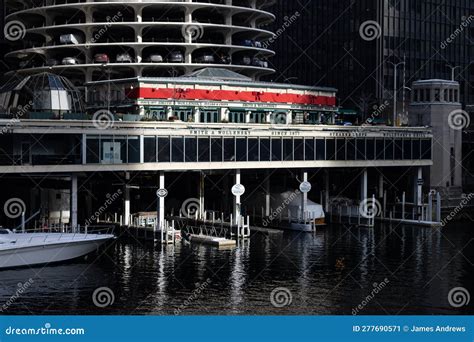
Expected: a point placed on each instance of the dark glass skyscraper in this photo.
(351, 44)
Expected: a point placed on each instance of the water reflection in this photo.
(328, 272)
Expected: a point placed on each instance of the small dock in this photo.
(213, 241)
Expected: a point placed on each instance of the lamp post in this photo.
(453, 70)
(395, 67)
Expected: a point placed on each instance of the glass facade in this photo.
(230, 149)
(22, 149)
(326, 46)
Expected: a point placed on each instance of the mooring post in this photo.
(161, 202)
(438, 207)
(73, 219)
(126, 200)
(202, 185)
(384, 203)
(403, 204)
(23, 222)
(326, 186)
(237, 202)
(267, 194)
(430, 207)
(363, 185)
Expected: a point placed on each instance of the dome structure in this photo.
(43, 93)
(90, 40)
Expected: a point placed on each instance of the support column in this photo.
(237, 198)
(161, 203)
(417, 194)
(126, 201)
(326, 192)
(73, 219)
(419, 187)
(304, 198)
(381, 189)
(363, 186)
(201, 194)
(267, 194)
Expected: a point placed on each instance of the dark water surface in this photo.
(328, 272)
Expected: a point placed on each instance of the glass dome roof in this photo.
(40, 93)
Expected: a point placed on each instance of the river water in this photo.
(337, 270)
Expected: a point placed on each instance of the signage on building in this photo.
(162, 193)
(232, 105)
(305, 187)
(238, 190)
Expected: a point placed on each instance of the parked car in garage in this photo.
(52, 62)
(101, 58)
(124, 58)
(175, 57)
(225, 59)
(154, 58)
(71, 61)
(205, 58)
(70, 39)
(246, 60)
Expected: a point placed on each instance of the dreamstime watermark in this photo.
(14, 30)
(459, 297)
(465, 201)
(276, 213)
(466, 22)
(377, 287)
(287, 22)
(279, 118)
(21, 111)
(19, 291)
(47, 330)
(14, 207)
(281, 297)
(193, 31)
(378, 110)
(459, 120)
(370, 30)
(200, 288)
(108, 202)
(103, 297)
(190, 207)
(103, 119)
(103, 30)
(370, 208)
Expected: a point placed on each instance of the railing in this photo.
(74, 235)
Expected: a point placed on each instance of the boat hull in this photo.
(48, 253)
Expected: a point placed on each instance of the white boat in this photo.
(293, 217)
(27, 249)
(286, 212)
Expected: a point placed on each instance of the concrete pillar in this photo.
(197, 115)
(268, 117)
(363, 185)
(267, 194)
(161, 202)
(247, 116)
(326, 187)
(225, 114)
(201, 194)
(237, 198)
(289, 117)
(381, 189)
(419, 186)
(126, 201)
(74, 202)
(304, 198)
